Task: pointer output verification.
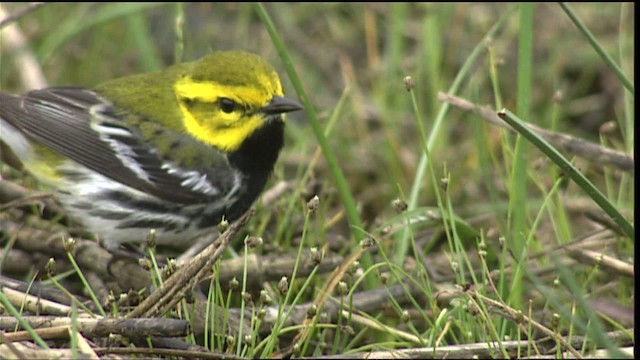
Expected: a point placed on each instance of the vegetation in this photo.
(411, 213)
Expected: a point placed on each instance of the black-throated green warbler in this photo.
(175, 150)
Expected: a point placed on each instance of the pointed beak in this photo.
(280, 105)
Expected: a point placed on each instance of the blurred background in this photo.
(362, 52)
(352, 60)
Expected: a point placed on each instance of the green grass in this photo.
(478, 212)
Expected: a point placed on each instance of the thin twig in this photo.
(188, 276)
(188, 354)
(20, 13)
(618, 267)
(27, 65)
(139, 327)
(520, 317)
(576, 146)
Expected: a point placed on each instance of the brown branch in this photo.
(13, 195)
(576, 146)
(26, 350)
(129, 275)
(28, 68)
(187, 354)
(20, 13)
(519, 317)
(139, 327)
(474, 350)
(367, 301)
(324, 293)
(33, 304)
(273, 267)
(463, 351)
(187, 277)
(608, 263)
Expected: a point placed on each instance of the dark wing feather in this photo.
(65, 120)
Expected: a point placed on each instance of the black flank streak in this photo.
(149, 224)
(141, 205)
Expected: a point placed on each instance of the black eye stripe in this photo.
(227, 105)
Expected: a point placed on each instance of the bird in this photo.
(177, 150)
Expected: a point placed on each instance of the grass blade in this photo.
(403, 243)
(598, 48)
(570, 170)
(338, 176)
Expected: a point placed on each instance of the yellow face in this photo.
(224, 115)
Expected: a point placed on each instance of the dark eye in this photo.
(187, 102)
(227, 105)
